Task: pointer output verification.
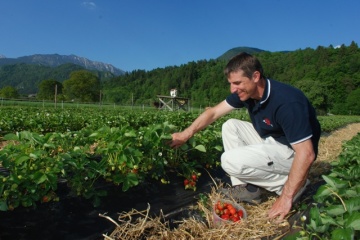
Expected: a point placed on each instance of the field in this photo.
(87, 147)
(328, 210)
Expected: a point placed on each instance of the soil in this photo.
(75, 218)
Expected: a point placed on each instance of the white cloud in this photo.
(89, 5)
(337, 46)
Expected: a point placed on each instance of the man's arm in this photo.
(304, 157)
(204, 120)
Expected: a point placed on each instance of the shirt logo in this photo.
(267, 122)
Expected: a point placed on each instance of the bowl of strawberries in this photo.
(225, 211)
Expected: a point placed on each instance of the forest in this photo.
(329, 76)
(26, 78)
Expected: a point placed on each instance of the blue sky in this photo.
(149, 34)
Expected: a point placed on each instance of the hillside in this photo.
(232, 52)
(55, 60)
(25, 73)
(26, 77)
(328, 76)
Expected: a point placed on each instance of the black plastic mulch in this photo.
(76, 218)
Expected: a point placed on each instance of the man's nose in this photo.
(233, 89)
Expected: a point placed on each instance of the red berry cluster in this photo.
(228, 212)
(190, 183)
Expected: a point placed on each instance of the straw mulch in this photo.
(140, 225)
(255, 226)
(330, 147)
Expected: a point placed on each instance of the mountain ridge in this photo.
(236, 50)
(55, 60)
(25, 73)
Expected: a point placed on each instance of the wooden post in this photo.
(55, 94)
(173, 103)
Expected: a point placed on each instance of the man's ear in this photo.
(256, 76)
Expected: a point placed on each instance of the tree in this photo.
(48, 88)
(326, 74)
(352, 102)
(315, 91)
(9, 92)
(83, 86)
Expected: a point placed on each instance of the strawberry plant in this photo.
(336, 214)
(33, 173)
(117, 148)
(87, 146)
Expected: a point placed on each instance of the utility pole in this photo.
(100, 98)
(55, 94)
(132, 100)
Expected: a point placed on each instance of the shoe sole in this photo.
(253, 201)
(256, 200)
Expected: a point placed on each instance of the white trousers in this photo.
(250, 159)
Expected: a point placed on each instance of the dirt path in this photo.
(330, 146)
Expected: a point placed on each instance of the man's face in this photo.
(243, 86)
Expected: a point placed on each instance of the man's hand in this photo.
(178, 139)
(304, 157)
(204, 120)
(281, 208)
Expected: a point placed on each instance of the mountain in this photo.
(232, 52)
(26, 73)
(55, 60)
(26, 77)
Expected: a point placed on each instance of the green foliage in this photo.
(27, 77)
(82, 86)
(9, 92)
(123, 148)
(336, 214)
(316, 91)
(329, 77)
(333, 122)
(326, 75)
(353, 102)
(48, 89)
(90, 146)
(33, 172)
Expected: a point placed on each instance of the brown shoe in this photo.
(240, 194)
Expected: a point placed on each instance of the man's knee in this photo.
(229, 166)
(224, 161)
(230, 124)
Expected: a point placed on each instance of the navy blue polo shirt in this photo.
(283, 113)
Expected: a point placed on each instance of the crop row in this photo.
(89, 147)
(335, 214)
(33, 164)
(43, 120)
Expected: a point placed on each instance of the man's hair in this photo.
(245, 62)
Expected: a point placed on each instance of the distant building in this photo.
(173, 92)
(172, 102)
